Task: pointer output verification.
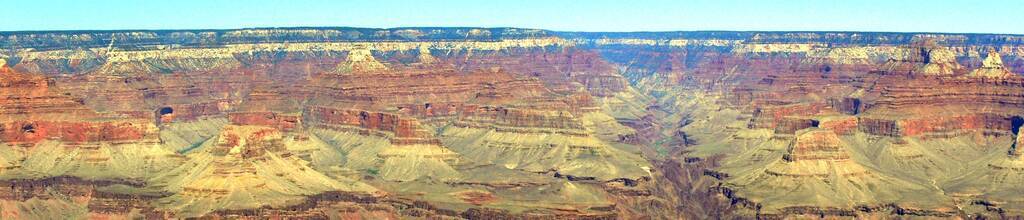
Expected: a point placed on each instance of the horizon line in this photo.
(499, 27)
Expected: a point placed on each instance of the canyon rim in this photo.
(509, 123)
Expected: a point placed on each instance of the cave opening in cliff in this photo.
(164, 114)
(29, 128)
(165, 110)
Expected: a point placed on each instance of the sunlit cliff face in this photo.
(508, 123)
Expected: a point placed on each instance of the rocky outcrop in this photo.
(400, 130)
(816, 145)
(991, 67)
(32, 112)
(892, 98)
(360, 60)
(562, 71)
(786, 119)
(938, 125)
(424, 56)
(247, 167)
(284, 122)
(842, 125)
(817, 164)
(410, 86)
(511, 118)
(926, 58)
(35, 131)
(411, 152)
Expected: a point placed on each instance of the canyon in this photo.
(509, 123)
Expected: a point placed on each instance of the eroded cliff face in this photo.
(349, 123)
(508, 123)
(888, 117)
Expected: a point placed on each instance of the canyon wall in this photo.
(509, 123)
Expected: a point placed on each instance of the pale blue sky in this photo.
(992, 16)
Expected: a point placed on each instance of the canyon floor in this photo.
(508, 123)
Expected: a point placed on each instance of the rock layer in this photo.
(508, 123)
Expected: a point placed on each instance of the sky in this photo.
(955, 16)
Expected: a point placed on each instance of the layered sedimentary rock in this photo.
(508, 123)
(993, 185)
(891, 100)
(360, 60)
(397, 147)
(225, 123)
(538, 141)
(816, 170)
(32, 112)
(925, 58)
(992, 67)
(246, 167)
(284, 122)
